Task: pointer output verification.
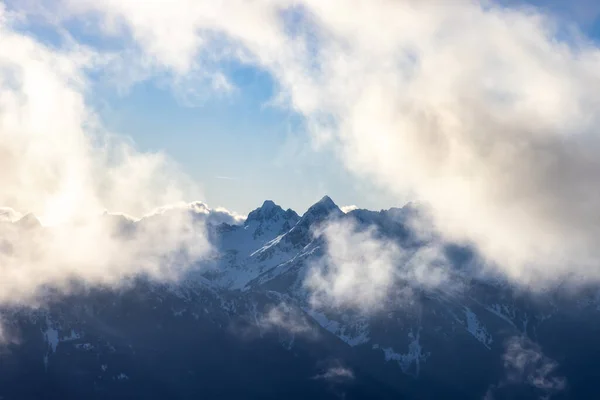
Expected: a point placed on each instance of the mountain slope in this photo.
(243, 325)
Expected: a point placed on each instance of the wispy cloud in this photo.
(526, 364)
(336, 373)
(287, 318)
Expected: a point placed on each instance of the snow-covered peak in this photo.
(301, 234)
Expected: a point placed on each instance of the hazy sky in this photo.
(239, 148)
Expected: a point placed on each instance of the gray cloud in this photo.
(287, 318)
(525, 363)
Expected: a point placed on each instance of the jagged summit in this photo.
(322, 208)
(326, 202)
(268, 210)
(268, 205)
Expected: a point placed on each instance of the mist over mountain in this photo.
(326, 305)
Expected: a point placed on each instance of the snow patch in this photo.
(84, 346)
(414, 355)
(502, 312)
(178, 313)
(51, 336)
(476, 328)
(122, 377)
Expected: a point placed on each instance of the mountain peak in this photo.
(268, 205)
(326, 200)
(324, 206)
(268, 210)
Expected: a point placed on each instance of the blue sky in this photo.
(264, 149)
(239, 148)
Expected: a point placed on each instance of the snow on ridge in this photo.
(353, 334)
(477, 329)
(502, 312)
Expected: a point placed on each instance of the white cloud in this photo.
(347, 209)
(212, 216)
(364, 271)
(487, 113)
(59, 164)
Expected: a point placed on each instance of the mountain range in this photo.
(245, 324)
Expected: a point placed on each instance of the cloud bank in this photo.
(485, 112)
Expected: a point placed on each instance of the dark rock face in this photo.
(156, 342)
(245, 329)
